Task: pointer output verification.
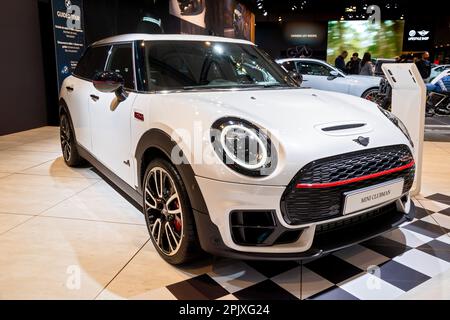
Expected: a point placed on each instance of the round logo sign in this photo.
(412, 33)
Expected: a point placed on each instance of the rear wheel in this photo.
(168, 214)
(68, 144)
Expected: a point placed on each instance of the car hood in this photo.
(295, 119)
(285, 110)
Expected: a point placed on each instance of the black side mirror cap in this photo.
(109, 81)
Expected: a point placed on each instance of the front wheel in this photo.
(168, 214)
(372, 95)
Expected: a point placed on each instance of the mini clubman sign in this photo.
(69, 36)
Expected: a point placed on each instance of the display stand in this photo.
(408, 104)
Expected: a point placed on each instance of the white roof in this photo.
(171, 37)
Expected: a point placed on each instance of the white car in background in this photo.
(320, 75)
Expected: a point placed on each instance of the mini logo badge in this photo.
(362, 141)
(423, 33)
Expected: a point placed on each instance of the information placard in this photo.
(69, 36)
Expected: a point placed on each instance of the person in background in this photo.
(354, 65)
(340, 61)
(367, 65)
(424, 65)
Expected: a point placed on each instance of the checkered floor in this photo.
(386, 267)
(66, 234)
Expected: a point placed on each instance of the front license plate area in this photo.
(372, 196)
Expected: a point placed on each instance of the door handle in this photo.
(69, 88)
(94, 97)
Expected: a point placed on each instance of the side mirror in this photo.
(109, 81)
(333, 75)
(297, 77)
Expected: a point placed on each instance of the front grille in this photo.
(301, 206)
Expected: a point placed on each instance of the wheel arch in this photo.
(64, 109)
(369, 89)
(156, 143)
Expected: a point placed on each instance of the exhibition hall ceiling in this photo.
(391, 9)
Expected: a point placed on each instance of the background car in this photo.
(437, 70)
(320, 75)
(378, 63)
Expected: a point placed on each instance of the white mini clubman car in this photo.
(228, 155)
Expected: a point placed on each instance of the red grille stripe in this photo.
(348, 181)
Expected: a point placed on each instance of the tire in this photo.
(68, 144)
(168, 214)
(371, 95)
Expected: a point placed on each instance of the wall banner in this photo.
(68, 30)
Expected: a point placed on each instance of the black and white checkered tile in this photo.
(385, 267)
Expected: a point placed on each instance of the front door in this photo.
(317, 76)
(78, 89)
(111, 119)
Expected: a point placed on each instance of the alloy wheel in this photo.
(371, 96)
(66, 138)
(162, 206)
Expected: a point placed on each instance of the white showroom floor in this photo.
(67, 234)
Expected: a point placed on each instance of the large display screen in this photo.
(382, 40)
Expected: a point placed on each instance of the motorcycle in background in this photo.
(384, 96)
(438, 95)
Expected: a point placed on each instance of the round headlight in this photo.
(243, 147)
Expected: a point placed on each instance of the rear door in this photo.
(78, 89)
(319, 77)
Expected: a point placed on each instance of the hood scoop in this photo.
(344, 127)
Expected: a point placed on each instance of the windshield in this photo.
(188, 65)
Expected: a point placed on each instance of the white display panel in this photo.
(408, 103)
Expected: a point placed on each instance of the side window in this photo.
(121, 61)
(93, 61)
(313, 69)
(289, 66)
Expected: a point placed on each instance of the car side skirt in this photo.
(117, 183)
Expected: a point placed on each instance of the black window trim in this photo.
(84, 54)
(147, 89)
(111, 45)
(317, 63)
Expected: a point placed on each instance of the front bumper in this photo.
(316, 239)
